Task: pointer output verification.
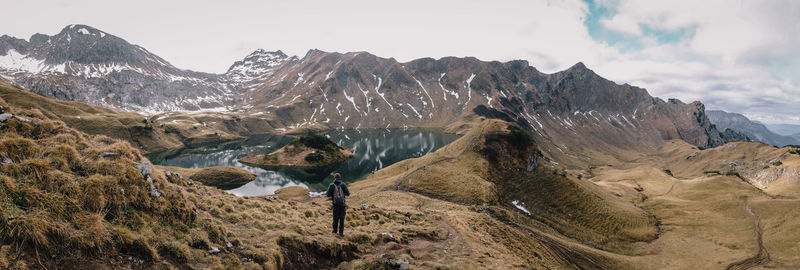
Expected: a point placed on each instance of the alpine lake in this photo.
(373, 149)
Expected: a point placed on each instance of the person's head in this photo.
(337, 176)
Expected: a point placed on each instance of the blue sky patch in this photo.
(627, 42)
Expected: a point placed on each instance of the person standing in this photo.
(337, 192)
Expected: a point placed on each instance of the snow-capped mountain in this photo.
(86, 64)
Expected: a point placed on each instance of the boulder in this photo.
(145, 168)
(23, 119)
(107, 154)
(153, 190)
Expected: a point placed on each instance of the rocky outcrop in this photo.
(730, 135)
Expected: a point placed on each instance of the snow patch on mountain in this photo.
(469, 87)
(16, 61)
(521, 206)
(426, 92)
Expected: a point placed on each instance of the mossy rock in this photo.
(223, 176)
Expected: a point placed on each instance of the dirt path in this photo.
(762, 256)
(444, 251)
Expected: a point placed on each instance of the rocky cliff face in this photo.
(755, 131)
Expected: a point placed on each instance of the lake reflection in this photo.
(373, 149)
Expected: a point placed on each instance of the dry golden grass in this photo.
(64, 203)
(449, 209)
(451, 186)
(297, 194)
(709, 220)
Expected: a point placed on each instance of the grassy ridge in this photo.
(127, 126)
(65, 199)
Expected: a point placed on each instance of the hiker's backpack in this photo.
(338, 195)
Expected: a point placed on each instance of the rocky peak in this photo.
(579, 72)
(259, 57)
(312, 52)
(255, 65)
(76, 45)
(578, 66)
(80, 29)
(581, 69)
(11, 43)
(39, 38)
(87, 45)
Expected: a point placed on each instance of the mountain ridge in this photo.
(330, 90)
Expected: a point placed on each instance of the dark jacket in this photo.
(332, 188)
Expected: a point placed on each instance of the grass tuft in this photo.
(18, 149)
(176, 250)
(32, 228)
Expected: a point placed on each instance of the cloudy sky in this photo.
(740, 56)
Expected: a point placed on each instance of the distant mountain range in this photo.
(574, 109)
(786, 130)
(754, 130)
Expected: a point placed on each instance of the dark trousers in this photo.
(338, 218)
